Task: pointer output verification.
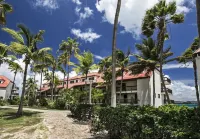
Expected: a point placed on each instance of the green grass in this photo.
(11, 123)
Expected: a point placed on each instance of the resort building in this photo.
(136, 89)
(6, 91)
(197, 57)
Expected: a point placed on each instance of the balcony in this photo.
(127, 101)
(127, 89)
(167, 81)
(168, 90)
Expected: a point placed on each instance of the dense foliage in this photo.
(130, 122)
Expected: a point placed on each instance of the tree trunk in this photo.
(154, 91)
(86, 85)
(52, 91)
(113, 93)
(41, 80)
(161, 39)
(195, 79)
(121, 86)
(13, 83)
(198, 17)
(68, 66)
(20, 109)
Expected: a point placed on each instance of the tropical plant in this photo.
(122, 63)
(4, 9)
(188, 56)
(14, 67)
(97, 95)
(148, 59)
(85, 64)
(31, 91)
(156, 20)
(25, 44)
(67, 49)
(113, 93)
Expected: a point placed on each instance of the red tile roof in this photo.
(6, 81)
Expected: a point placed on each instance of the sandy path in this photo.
(56, 125)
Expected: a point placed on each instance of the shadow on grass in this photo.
(10, 114)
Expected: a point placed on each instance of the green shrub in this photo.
(2, 102)
(169, 121)
(60, 104)
(14, 101)
(43, 102)
(51, 104)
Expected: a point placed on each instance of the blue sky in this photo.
(92, 24)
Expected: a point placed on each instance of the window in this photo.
(76, 81)
(71, 82)
(158, 95)
(83, 80)
(91, 78)
(1, 81)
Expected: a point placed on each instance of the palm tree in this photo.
(4, 9)
(188, 56)
(198, 17)
(14, 67)
(31, 88)
(67, 49)
(148, 59)
(122, 63)
(113, 93)
(27, 48)
(85, 64)
(156, 20)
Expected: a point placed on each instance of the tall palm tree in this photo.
(198, 17)
(188, 56)
(156, 20)
(4, 9)
(122, 63)
(113, 93)
(67, 49)
(85, 64)
(31, 89)
(148, 59)
(14, 67)
(28, 48)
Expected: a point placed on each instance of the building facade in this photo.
(136, 89)
(6, 91)
(197, 58)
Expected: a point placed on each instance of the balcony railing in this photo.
(168, 90)
(127, 101)
(127, 88)
(167, 80)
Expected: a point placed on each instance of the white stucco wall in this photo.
(158, 101)
(143, 91)
(3, 92)
(198, 68)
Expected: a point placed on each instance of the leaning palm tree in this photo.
(25, 44)
(67, 49)
(188, 56)
(85, 64)
(4, 9)
(148, 59)
(14, 67)
(113, 93)
(156, 20)
(122, 63)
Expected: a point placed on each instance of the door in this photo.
(125, 98)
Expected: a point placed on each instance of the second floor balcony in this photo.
(127, 89)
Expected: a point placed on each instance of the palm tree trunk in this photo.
(121, 86)
(86, 75)
(13, 83)
(20, 109)
(68, 66)
(161, 38)
(41, 83)
(195, 79)
(154, 91)
(113, 93)
(52, 91)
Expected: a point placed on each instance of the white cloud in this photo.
(87, 12)
(132, 12)
(77, 2)
(87, 36)
(98, 57)
(182, 91)
(177, 66)
(47, 4)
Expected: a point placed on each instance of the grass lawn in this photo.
(10, 123)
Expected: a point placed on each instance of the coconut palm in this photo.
(113, 93)
(14, 67)
(148, 59)
(67, 49)
(4, 9)
(25, 44)
(198, 17)
(188, 56)
(156, 20)
(85, 64)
